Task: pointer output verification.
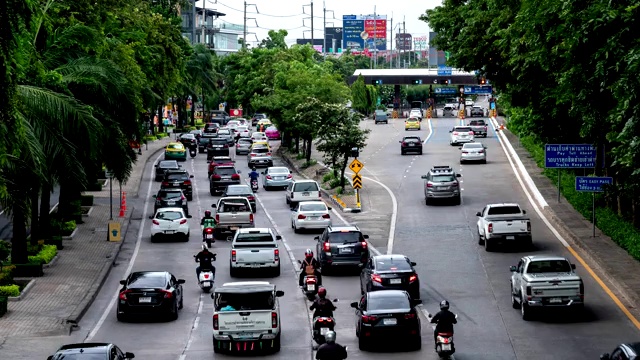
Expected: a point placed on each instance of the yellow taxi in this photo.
(175, 151)
(260, 143)
(412, 124)
(265, 122)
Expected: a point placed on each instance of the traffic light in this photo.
(442, 81)
(416, 82)
(355, 152)
(482, 80)
(376, 82)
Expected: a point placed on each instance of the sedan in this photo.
(90, 351)
(170, 198)
(175, 151)
(387, 316)
(188, 140)
(218, 147)
(244, 191)
(473, 152)
(163, 166)
(272, 133)
(243, 146)
(170, 222)
(412, 124)
(242, 132)
(276, 177)
(310, 215)
(259, 136)
(477, 111)
(227, 135)
(390, 272)
(150, 292)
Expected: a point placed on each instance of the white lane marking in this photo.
(430, 131)
(526, 192)
(108, 309)
(344, 221)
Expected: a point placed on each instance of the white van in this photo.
(302, 190)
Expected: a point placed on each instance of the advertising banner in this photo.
(360, 31)
(403, 42)
(330, 34)
(420, 43)
(352, 31)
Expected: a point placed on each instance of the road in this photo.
(6, 227)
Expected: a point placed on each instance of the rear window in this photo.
(473, 146)
(388, 303)
(260, 150)
(218, 141)
(175, 146)
(560, 266)
(305, 186)
(169, 194)
(168, 165)
(443, 178)
(242, 128)
(313, 207)
(169, 215)
(81, 356)
(395, 265)
(205, 140)
(142, 280)
(246, 302)
(345, 237)
(260, 237)
(278, 171)
(245, 141)
(412, 140)
(462, 129)
(224, 132)
(233, 190)
(177, 177)
(477, 122)
(188, 136)
(504, 210)
(233, 207)
(225, 171)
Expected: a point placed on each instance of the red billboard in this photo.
(376, 29)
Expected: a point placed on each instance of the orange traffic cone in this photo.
(501, 126)
(121, 212)
(124, 201)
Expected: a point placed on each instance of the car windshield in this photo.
(177, 176)
(231, 206)
(147, 280)
(278, 170)
(169, 215)
(175, 146)
(80, 356)
(549, 266)
(242, 128)
(260, 237)
(242, 301)
(413, 120)
(188, 136)
(504, 210)
(443, 178)
(388, 302)
(473, 146)
(477, 122)
(462, 129)
(205, 140)
(260, 150)
(380, 112)
(305, 186)
(392, 265)
(238, 190)
(258, 135)
(313, 207)
(347, 237)
(225, 171)
(169, 194)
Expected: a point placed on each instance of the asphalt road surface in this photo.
(6, 227)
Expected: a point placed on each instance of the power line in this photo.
(275, 16)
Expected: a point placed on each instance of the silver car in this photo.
(243, 146)
(461, 134)
(441, 183)
(227, 135)
(276, 177)
(260, 156)
(473, 152)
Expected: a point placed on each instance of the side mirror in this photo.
(513, 268)
(458, 175)
(123, 282)
(181, 281)
(573, 266)
(150, 216)
(413, 263)
(365, 236)
(278, 237)
(354, 305)
(129, 355)
(189, 216)
(416, 302)
(524, 212)
(400, 141)
(330, 208)
(190, 176)
(460, 148)
(279, 293)
(605, 356)
(213, 206)
(478, 213)
(156, 165)
(239, 171)
(450, 130)
(264, 173)
(317, 238)
(423, 177)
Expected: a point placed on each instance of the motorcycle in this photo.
(444, 344)
(321, 326)
(206, 278)
(193, 151)
(207, 235)
(309, 286)
(254, 185)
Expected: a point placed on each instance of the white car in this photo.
(468, 103)
(310, 215)
(416, 113)
(243, 132)
(170, 222)
(461, 134)
(259, 136)
(242, 122)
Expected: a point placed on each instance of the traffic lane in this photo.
(342, 285)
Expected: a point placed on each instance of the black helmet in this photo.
(444, 305)
(207, 213)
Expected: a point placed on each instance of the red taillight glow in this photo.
(321, 320)
(217, 218)
(274, 320)
(156, 222)
(455, 133)
(326, 216)
(429, 185)
(215, 321)
(123, 295)
(159, 199)
(470, 132)
(268, 154)
(235, 177)
(326, 246)
(302, 217)
(268, 177)
(367, 319)
(465, 152)
(250, 197)
(481, 152)
(276, 254)
(376, 278)
(167, 294)
(208, 230)
(233, 255)
(404, 144)
(182, 198)
(413, 278)
(216, 177)
(226, 146)
(165, 183)
(187, 182)
(409, 316)
(364, 245)
(490, 227)
(183, 221)
(289, 176)
(253, 155)
(251, 218)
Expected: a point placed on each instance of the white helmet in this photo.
(330, 337)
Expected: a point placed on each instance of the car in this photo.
(170, 222)
(302, 190)
(450, 110)
(259, 136)
(255, 249)
(412, 123)
(380, 117)
(197, 133)
(243, 132)
(243, 122)
(272, 133)
(217, 161)
(217, 147)
(310, 215)
(220, 116)
(442, 183)
(178, 179)
(628, 351)
(150, 293)
(390, 272)
(228, 135)
(473, 152)
(461, 134)
(265, 123)
(175, 151)
(468, 103)
(260, 144)
(416, 113)
(477, 111)
(256, 117)
(241, 190)
(387, 316)
(259, 156)
(90, 351)
(411, 144)
(341, 246)
(211, 128)
(188, 140)
(203, 143)
(170, 198)
(233, 125)
(243, 146)
(223, 176)
(163, 166)
(276, 177)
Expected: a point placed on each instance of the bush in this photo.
(161, 135)
(309, 163)
(6, 275)
(199, 122)
(148, 138)
(9, 290)
(45, 255)
(67, 228)
(86, 200)
(5, 250)
(335, 182)
(328, 177)
(97, 186)
(339, 190)
(300, 156)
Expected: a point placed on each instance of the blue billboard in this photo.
(351, 34)
(364, 31)
(569, 156)
(592, 184)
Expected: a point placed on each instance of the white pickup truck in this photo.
(503, 223)
(255, 249)
(246, 318)
(233, 213)
(545, 282)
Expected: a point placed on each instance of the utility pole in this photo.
(404, 30)
(391, 50)
(244, 39)
(375, 37)
(204, 22)
(324, 27)
(193, 23)
(312, 42)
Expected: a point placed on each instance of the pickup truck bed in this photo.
(255, 249)
(233, 213)
(479, 128)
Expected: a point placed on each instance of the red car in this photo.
(219, 160)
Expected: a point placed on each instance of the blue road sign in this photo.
(477, 90)
(492, 106)
(592, 184)
(446, 90)
(569, 156)
(444, 70)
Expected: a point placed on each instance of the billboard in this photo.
(403, 41)
(364, 31)
(330, 34)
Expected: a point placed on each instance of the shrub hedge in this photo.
(9, 290)
(46, 254)
(86, 200)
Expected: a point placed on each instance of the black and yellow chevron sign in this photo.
(357, 181)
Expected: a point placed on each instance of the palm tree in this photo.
(200, 76)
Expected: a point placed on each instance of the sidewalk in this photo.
(57, 301)
(610, 260)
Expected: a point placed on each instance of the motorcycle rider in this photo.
(205, 258)
(254, 175)
(322, 306)
(444, 320)
(207, 221)
(309, 266)
(331, 350)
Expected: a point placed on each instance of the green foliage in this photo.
(6, 275)
(308, 164)
(299, 156)
(46, 254)
(159, 136)
(335, 182)
(5, 250)
(148, 138)
(67, 227)
(9, 290)
(328, 177)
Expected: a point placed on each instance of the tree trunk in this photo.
(308, 150)
(45, 207)
(160, 119)
(334, 166)
(19, 242)
(36, 232)
(69, 193)
(297, 144)
(343, 166)
(192, 114)
(152, 128)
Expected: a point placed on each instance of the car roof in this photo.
(389, 257)
(304, 181)
(343, 228)
(90, 348)
(313, 202)
(172, 209)
(245, 287)
(238, 186)
(254, 231)
(278, 167)
(153, 273)
(168, 161)
(473, 144)
(381, 294)
(175, 143)
(225, 165)
(546, 257)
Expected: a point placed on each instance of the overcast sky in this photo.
(288, 14)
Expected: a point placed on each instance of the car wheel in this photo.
(480, 239)
(186, 237)
(276, 344)
(417, 343)
(153, 238)
(488, 246)
(212, 192)
(189, 197)
(292, 226)
(295, 229)
(233, 272)
(174, 313)
(121, 317)
(181, 303)
(276, 272)
(362, 343)
(287, 200)
(458, 200)
(525, 311)
(484, 161)
(426, 201)
(420, 153)
(514, 302)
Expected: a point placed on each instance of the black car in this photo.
(178, 179)
(390, 272)
(150, 292)
(211, 128)
(340, 246)
(386, 317)
(244, 191)
(411, 144)
(165, 165)
(217, 147)
(91, 351)
(205, 141)
(477, 111)
(223, 176)
(197, 133)
(188, 140)
(630, 351)
(170, 198)
(257, 117)
(220, 116)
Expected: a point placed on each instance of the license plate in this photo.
(442, 187)
(169, 231)
(226, 178)
(446, 347)
(209, 236)
(324, 331)
(175, 185)
(255, 265)
(171, 202)
(234, 228)
(346, 251)
(311, 287)
(279, 178)
(314, 218)
(395, 281)
(555, 300)
(144, 300)
(412, 144)
(511, 237)
(206, 283)
(306, 193)
(390, 321)
(263, 161)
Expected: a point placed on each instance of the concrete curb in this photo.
(70, 237)
(52, 262)
(24, 291)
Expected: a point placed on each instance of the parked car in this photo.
(163, 166)
(175, 151)
(390, 272)
(170, 222)
(272, 133)
(149, 292)
(310, 215)
(91, 351)
(243, 146)
(380, 117)
(276, 177)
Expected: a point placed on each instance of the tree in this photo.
(275, 40)
(360, 102)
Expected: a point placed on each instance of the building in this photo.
(215, 33)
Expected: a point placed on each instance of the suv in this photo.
(165, 165)
(91, 351)
(260, 156)
(223, 176)
(217, 161)
(410, 144)
(441, 183)
(340, 246)
(188, 140)
(461, 134)
(381, 117)
(170, 198)
(217, 147)
(204, 141)
(219, 116)
(178, 179)
(477, 111)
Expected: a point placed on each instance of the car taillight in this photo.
(235, 177)
(326, 216)
(216, 177)
(251, 218)
(123, 295)
(253, 155)
(301, 217)
(237, 146)
(528, 226)
(367, 319)
(490, 228)
(481, 152)
(363, 244)
(274, 319)
(276, 254)
(187, 182)
(209, 230)
(268, 154)
(225, 146)
(409, 316)
(326, 247)
(289, 176)
(215, 322)
(455, 133)
(485, 128)
(413, 278)
(217, 218)
(268, 177)
(182, 198)
(156, 222)
(159, 199)
(165, 183)
(429, 185)
(167, 294)
(250, 197)
(183, 221)
(233, 255)
(376, 278)
(529, 290)
(404, 144)
(470, 132)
